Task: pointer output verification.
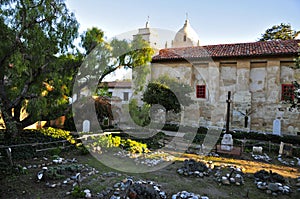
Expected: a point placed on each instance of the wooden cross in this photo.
(228, 111)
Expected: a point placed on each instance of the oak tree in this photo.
(34, 62)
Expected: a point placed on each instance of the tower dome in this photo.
(186, 36)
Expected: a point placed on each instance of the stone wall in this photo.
(255, 85)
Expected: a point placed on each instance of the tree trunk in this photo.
(11, 125)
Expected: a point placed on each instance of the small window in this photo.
(125, 96)
(200, 91)
(287, 92)
(184, 38)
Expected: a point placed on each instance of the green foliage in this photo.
(181, 90)
(19, 169)
(38, 60)
(169, 93)
(107, 57)
(55, 151)
(266, 137)
(141, 67)
(58, 133)
(154, 142)
(31, 137)
(130, 145)
(78, 192)
(279, 32)
(135, 146)
(91, 38)
(103, 90)
(139, 114)
(139, 77)
(36, 70)
(83, 150)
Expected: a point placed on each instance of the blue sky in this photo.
(215, 21)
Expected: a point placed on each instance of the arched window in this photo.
(184, 38)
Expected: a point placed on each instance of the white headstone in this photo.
(281, 148)
(227, 142)
(70, 100)
(86, 126)
(257, 149)
(276, 127)
(74, 98)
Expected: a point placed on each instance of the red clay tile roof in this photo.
(262, 48)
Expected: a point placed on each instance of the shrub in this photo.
(139, 114)
(267, 137)
(58, 133)
(78, 192)
(110, 141)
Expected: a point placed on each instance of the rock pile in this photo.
(271, 183)
(263, 157)
(151, 159)
(188, 195)
(213, 154)
(229, 175)
(298, 184)
(128, 188)
(288, 162)
(62, 172)
(194, 168)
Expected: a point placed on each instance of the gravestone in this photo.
(74, 98)
(286, 149)
(227, 142)
(276, 127)
(257, 149)
(86, 126)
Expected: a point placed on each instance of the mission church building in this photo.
(258, 74)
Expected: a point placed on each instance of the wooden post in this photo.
(228, 111)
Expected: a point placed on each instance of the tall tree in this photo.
(33, 78)
(91, 38)
(103, 58)
(279, 32)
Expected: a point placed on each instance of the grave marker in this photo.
(286, 149)
(277, 127)
(227, 142)
(228, 101)
(86, 126)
